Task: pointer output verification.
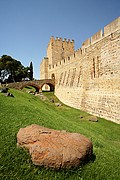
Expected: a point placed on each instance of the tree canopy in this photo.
(11, 70)
(31, 71)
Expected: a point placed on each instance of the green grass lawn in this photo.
(25, 109)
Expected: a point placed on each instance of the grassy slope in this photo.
(25, 109)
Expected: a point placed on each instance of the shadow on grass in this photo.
(88, 160)
(93, 158)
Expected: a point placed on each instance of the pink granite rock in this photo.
(52, 148)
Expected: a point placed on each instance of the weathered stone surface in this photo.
(4, 90)
(55, 149)
(58, 104)
(9, 94)
(93, 119)
(52, 100)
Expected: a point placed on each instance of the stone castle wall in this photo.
(89, 78)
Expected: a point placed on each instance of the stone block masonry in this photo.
(88, 78)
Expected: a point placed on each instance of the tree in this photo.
(12, 70)
(31, 71)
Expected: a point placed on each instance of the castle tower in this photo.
(44, 68)
(59, 49)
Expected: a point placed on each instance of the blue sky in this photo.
(27, 25)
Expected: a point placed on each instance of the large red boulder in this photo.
(52, 148)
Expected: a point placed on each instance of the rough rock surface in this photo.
(52, 148)
(93, 119)
(9, 94)
(4, 90)
(58, 104)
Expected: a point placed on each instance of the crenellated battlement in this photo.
(112, 27)
(65, 40)
(107, 30)
(61, 51)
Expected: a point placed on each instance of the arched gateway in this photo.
(37, 84)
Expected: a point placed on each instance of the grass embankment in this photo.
(25, 109)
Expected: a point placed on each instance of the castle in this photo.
(88, 78)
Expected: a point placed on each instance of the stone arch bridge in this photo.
(37, 84)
